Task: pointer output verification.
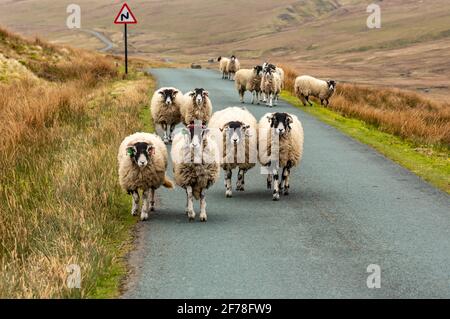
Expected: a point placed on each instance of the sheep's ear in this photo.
(150, 150)
(205, 93)
(175, 92)
(290, 119)
(161, 92)
(131, 151)
(192, 94)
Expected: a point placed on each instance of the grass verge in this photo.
(430, 163)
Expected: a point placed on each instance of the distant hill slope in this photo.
(326, 38)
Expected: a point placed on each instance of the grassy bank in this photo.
(432, 163)
(63, 114)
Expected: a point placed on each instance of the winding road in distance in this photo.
(349, 207)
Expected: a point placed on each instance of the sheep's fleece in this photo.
(191, 112)
(199, 174)
(163, 113)
(230, 114)
(131, 177)
(290, 145)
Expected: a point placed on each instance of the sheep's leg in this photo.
(258, 97)
(145, 205)
(190, 203)
(263, 97)
(172, 128)
(307, 100)
(203, 216)
(241, 94)
(270, 100)
(253, 97)
(240, 180)
(275, 102)
(276, 189)
(269, 177)
(152, 199)
(165, 138)
(135, 208)
(286, 175)
(229, 191)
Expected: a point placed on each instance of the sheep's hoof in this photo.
(228, 194)
(134, 212)
(269, 185)
(203, 218)
(286, 192)
(191, 215)
(240, 188)
(144, 217)
(276, 197)
(166, 141)
(152, 209)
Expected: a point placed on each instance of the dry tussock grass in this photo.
(60, 202)
(403, 113)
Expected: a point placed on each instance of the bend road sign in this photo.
(125, 16)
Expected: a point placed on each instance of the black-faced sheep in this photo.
(249, 80)
(235, 131)
(271, 86)
(165, 109)
(142, 161)
(306, 86)
(196, 106)
(233, 66)
(196, 165)
(223, 63)
(280, 147)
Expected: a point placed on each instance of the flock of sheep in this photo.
(230, 139)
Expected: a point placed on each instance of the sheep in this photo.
(306, 86)
(280, 147)
(236, 130)
(249, 80)
(165, 109)
(223, 63)
(196, 106)
(271, 86)
(196, 165)
(233, 66)
(266, 66)
(142, 162)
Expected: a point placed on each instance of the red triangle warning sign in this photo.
(125, 16)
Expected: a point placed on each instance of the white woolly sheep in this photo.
(306, 86)
(165, 110)
(232, 67)
(223, 63)
(249, 80)
(196, 106)
(196, 165)
(236, 136)
(268, 66)
(271, 87)
(280, 147)
(142, 161)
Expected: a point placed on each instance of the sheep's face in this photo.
(233, 58)
(331, 85)
(281, 123)
(269, 67)
(199, 95)
(235, 131)
(258, 70)
(141, 153)
(195, 134)
(168, 96)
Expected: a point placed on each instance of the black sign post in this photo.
(125, 17)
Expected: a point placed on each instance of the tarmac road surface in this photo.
(349, 207)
